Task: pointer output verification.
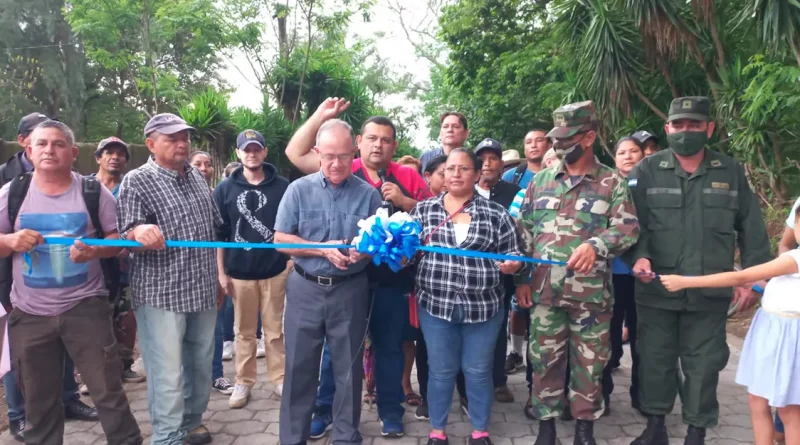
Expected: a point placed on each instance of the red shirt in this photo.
(408, 178)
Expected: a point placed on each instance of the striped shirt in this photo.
(173, 279)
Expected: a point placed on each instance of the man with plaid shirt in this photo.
(174, 290)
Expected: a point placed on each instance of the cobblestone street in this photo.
(258, 422)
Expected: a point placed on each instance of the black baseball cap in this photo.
(107, 142)
(492, 145)
(643, 136)
(29, 122)
(165, 123)
(248, 137)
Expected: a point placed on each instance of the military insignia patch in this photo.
(560, 119)
(632, 182)
(720, 185)
(716, 163)
(686, 104)
(250, 134)
(663, 164)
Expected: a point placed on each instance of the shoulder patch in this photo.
(663, 164)
(716, 163)
(632, 182)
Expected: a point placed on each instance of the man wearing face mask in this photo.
(579, 212)
(696, 207)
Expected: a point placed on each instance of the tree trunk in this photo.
(305, 65)
(649, 103)
(668, 77)
(779, 188)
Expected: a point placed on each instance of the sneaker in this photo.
(130, 376)
(261, 351)
(436, 441)
(240, 396)
(481, 441)
(320, 425)
(422, 411)
(465, 406)
(227, 350)
(514, 362)
(223, 385)
(391, 428)
(84, 390)
(17, 428)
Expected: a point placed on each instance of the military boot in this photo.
(547, 432)
(695, 436)
(584, 433)
(654, 434)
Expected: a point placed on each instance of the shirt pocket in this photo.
(665, 224)
(719, 216)
(591, 215)
(313, 226)
(544, 210)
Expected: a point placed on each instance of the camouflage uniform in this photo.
(573, 311)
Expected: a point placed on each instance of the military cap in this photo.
(572, 119)
(696, 108)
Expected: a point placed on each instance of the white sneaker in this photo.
(261, 351)
(227, 350)
(240, 396)
(84, 390)
(279, 389)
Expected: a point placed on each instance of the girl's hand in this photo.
(673, 283)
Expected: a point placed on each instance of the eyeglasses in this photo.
(461, 169)
(341, 158)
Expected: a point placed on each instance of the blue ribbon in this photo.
(192, 244)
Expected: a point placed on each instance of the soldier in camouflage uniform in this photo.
(581, 213)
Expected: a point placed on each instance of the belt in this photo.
(324, 281)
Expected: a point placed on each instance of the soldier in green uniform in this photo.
(580, 213)
(695, 206)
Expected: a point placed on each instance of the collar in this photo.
(710, 162)
(166, 172)
(26, 164)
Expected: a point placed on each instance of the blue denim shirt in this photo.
(313, 209)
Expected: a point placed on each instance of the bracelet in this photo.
(758, 288)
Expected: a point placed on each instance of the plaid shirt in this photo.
(445, 280)
(177, 280)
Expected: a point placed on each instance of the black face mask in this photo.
(687, 143)
(570, 153)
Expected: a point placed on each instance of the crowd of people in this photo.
(638, 253)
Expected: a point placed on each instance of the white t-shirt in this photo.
(792, 215)
(462, 229)
(781, 294)
(485, 193)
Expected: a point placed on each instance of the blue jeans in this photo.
(219, 329)
(327, 385)
(16, 402)
(778, 423)
(177, 349)
(387, 328)
(453, 346)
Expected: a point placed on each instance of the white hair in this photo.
(60, 126)
(336, 123)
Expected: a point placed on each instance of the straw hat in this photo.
(511, 157)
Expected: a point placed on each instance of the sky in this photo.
(392, 45)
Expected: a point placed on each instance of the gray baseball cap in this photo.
(165, 123)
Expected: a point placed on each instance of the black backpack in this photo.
(519, 172)
(91, 197)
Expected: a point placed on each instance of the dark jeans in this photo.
(327, 385)
(624, 314)
(387, 328)
(41, 344)
(219, 337)
(422, 365)
(16, 402)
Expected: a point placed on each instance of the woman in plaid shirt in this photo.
(461, 299)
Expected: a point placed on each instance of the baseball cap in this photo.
(248, 137)
(696, 108)
(105, 143)
(29, 122)
(572, 119)
(165, 123)
(491, 145)
(643, 136)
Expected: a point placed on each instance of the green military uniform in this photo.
(572, 311)
(691, 223)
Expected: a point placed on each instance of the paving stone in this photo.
(510, 429)
(255, 439)
(405, 440)
(270, 415)
(740, 433)
(232, 415)
(244, 427)
(83, 438)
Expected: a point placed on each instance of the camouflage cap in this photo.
(696, 108)
(572, 119)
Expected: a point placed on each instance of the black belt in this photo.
(324, 281)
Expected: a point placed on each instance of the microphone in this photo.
(386, 204)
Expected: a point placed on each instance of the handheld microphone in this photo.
(388, 205)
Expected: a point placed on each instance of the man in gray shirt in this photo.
(327, 294)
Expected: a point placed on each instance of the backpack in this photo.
(91, 197)
(519, 173)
